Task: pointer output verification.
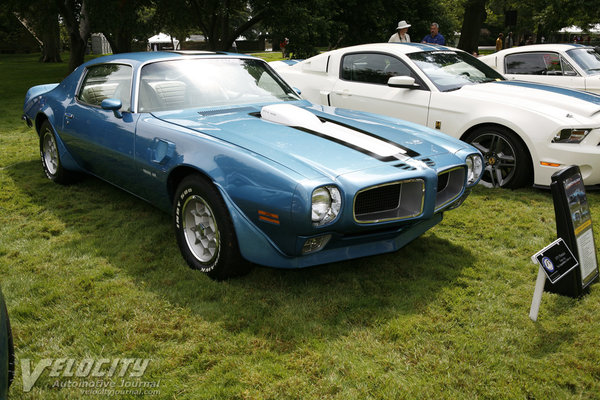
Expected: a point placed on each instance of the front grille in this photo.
(396, 200)
(450, 186)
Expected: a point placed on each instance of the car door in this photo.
(545, 67)
(362, 85)
(101, 140)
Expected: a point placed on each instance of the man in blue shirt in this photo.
(434, 37)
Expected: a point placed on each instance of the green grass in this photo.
(89, 271)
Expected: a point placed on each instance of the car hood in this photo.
(309, 138)
(540, 98)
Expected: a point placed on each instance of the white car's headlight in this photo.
(571, 135)
(474, 168)
(326, 205)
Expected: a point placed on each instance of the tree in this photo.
(121, 21)
(76, 19)
(221, 22)
(475, 15)
(41, 18)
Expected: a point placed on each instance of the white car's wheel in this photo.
(507, 162)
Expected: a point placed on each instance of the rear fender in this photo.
(68, 162)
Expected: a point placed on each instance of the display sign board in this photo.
(556, 260)
(574, 226)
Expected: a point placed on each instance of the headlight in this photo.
(326, 205)
(570, 135)
(474, 168)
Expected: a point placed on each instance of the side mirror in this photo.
(114, 105)
(405, 82)
(297, 90)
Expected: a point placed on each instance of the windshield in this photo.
(451, 70)
(209, 82)
(587, 58)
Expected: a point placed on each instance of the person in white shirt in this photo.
(400, 36)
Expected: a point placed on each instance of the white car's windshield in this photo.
(451, 70)
(209, 82)
(587, 58)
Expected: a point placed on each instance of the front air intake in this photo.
(392, 201)
(450, 186)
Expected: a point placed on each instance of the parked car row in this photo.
(254, 173)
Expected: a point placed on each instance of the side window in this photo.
(553, 66)
(567, 68)
(106, 81)
(372, 68)
(534, 64)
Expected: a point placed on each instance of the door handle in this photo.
(344, 92)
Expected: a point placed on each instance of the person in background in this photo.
(283, 46)
(499, 41)
(509, 41)
(400, 36)
(434, 36)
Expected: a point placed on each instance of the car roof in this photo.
(404, 48)
(139, 58)
(543, 47)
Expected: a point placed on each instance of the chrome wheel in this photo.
(200, 229)
(50, 152)
(500, 159)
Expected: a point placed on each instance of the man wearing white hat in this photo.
(400, 35)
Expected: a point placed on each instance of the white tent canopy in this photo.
(577, 29)
(155, 42)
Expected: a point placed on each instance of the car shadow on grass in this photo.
(137, 240)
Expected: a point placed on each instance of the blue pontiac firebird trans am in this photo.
(249, 170)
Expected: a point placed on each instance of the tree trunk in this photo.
(78, 26)
(77, 53)
(51, 40)
(122, 42)
(475, 15)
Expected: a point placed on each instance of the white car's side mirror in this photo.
(406, 82)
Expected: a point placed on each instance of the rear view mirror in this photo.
(114, 105)
(406, 82)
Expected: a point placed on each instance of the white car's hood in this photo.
(552, 100)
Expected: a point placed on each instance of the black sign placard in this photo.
(581, 220)
(574, 226)
(556, 259)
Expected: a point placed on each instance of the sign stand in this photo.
(537, 294)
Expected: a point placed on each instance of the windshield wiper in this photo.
(453, 89)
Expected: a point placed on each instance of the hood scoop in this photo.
(304, 120)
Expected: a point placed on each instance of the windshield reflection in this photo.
(588, 59)
(450, 70)
(209, 82)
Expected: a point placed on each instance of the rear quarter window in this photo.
(106, 81)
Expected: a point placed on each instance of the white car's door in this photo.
(362, 85)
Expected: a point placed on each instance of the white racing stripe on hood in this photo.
(293, 116)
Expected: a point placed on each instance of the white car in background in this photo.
(569, 65)
(525, 131)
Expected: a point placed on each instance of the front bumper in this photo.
(556, 156)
